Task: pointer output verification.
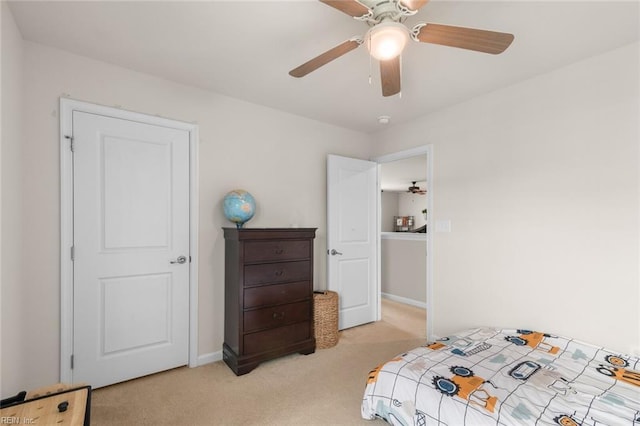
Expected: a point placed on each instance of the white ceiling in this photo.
(245, 49)
(397, 176)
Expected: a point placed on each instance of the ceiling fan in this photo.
(387, 37)
(416, 189)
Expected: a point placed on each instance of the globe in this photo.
(239, 206)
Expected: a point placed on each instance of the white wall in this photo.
(404, 270)
(388, 209)
(278, 157)
(16, 304)
(540, 182)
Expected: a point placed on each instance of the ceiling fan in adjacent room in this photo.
(416, 189)
(387, 37)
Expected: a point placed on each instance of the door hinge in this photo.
(73, 253)
(71, 146)
(72, 362)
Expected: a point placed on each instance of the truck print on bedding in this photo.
(518, 377)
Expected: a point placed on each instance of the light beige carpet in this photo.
(324, 388)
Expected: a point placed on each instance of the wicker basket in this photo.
(325, 318)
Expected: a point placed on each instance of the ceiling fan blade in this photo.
(390, 76)
(324, 58)
(465, 38)
(350, 7)
(414, 4)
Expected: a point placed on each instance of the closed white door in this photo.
(352, 238)
(131, 249)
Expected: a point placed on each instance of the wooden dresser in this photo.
(268, 295)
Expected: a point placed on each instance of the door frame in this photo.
(67, 107)
(401, 155)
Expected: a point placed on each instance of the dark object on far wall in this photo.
(268, 295)
(403, 223)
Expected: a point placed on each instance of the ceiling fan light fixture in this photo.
(387, 40)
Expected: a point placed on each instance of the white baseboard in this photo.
(405, 300)
(209, 358)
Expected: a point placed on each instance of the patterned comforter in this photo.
(505, 377)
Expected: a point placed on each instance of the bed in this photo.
(490, 376)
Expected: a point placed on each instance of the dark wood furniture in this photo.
(268, 295)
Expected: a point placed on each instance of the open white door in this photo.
(131, 249)
(352, 238)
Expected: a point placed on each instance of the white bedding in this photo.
(505, 377)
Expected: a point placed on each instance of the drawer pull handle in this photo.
(279, 251)
(279, 273)
(278, 316)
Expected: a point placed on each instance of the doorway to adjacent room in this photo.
(406, 270)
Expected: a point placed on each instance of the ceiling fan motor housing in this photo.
(385, 10)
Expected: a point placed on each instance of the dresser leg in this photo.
(308, 351)
(237, 364)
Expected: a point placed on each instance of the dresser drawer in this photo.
(276, 294)
(261, 251)
(277, 316)
(276, 338)
(276, 272)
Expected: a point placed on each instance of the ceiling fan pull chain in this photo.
(370, 62)
(400, 92)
